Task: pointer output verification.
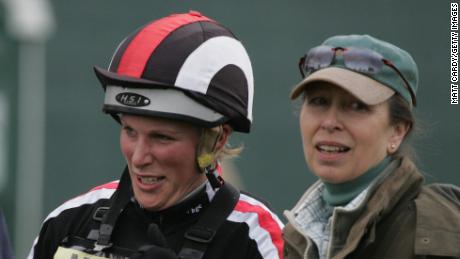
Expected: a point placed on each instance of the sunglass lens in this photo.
(319, 57)
(363, 60)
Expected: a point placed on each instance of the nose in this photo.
(331, 121)
(141, 155)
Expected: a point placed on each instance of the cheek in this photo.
(307, 125)
(182, 156)
(180, 165)
(306, 138)
(126, 147)
(373, 142)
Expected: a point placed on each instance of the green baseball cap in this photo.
(398, 72)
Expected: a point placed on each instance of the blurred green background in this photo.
(79, 144)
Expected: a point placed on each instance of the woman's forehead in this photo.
(156, 122)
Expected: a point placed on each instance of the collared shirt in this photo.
(316, 216)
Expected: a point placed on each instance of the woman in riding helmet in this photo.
(179, 86)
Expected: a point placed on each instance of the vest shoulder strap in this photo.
(200, 235)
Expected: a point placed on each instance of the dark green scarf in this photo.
(342, 193)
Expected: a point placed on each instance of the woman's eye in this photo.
(359, 106)
(162, 137)
(129, 131)
(317, 101)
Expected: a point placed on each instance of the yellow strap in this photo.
(206, 149)
(68, 253)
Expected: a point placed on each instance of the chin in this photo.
(330, 175)
(147, 202)
(149, 205)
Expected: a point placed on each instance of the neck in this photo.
(194, 191)
(342, 193)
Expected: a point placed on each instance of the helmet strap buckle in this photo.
(214, 178)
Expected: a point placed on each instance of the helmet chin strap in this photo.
(207, 155)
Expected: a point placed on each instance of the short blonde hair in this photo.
(209, 138)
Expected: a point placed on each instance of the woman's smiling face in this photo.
(161, 157)
(343, 137)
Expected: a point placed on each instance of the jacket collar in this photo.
(400, 182)
(189, 208)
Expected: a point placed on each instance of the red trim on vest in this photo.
(138, 52)
(266, 221)
(111, 185)
(219, 169)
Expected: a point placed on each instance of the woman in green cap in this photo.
(358, 95)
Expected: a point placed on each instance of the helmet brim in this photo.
(165, 101)
(110, 78)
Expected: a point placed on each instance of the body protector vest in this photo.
(98, 243)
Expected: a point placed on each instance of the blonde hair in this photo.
(206, 150)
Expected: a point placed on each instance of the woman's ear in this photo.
(400, 130)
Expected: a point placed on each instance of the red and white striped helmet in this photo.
(183, 66)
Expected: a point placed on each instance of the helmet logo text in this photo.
(132, 99)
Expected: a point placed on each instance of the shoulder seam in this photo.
(90, 197)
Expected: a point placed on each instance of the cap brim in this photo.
(364, 88)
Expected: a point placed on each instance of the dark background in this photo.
(82, 148)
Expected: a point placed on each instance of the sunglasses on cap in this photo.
(361, 60)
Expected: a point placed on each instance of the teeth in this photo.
(332, 149)
(150, 180)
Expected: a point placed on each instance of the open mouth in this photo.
(332, 149)
(150, 179)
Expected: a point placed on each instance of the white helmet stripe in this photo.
(210, 57)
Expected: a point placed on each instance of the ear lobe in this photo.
(399, 133)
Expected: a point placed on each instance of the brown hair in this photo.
(401, 112)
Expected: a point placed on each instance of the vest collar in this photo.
(189, 207)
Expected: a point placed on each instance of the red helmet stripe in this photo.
(137, 53)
